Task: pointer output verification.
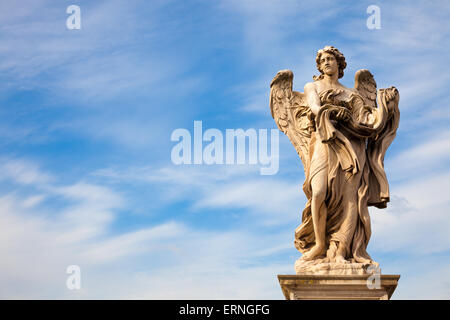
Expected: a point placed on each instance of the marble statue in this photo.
(341, 135)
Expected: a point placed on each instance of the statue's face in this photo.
(328, 64)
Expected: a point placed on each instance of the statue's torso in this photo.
(336, 96)
(346, 98)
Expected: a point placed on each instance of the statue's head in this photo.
(328, 60)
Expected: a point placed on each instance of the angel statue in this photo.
(341, 137)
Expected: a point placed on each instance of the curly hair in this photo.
(339, 58)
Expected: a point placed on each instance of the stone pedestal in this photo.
(338, 287)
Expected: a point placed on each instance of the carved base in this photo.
(325, 267)
(338, 287)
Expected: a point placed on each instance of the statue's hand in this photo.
(342, 114)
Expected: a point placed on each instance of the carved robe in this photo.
(352, 154)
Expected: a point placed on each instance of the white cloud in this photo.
(33, 201)
(136, 264)
(422, 157)
(132, 243)
(428, 192)
(23, 172)
(417, 218)
(271, 200)
(111, 54)
(93, 73)
(142, 263)
(422, 276)
(38, 242)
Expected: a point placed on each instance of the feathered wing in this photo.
(384, 121)
(291, 113)
(366, 86)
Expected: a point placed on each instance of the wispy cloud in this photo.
(422, 157)
(273, 201)
(23, 172)
(79, 232)
(115, 72)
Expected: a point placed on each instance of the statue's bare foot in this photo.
(369, 262)
(315, 252)
(340, 259)
(340, 254)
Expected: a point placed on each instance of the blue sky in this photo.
(85, 123)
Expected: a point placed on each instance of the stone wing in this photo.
(291, 113)
(366, 86)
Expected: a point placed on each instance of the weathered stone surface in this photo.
(327, 267)
(337, 287)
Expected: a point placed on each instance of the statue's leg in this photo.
(349, 218)
(318, 213)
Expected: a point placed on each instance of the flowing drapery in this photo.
(352, 153)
